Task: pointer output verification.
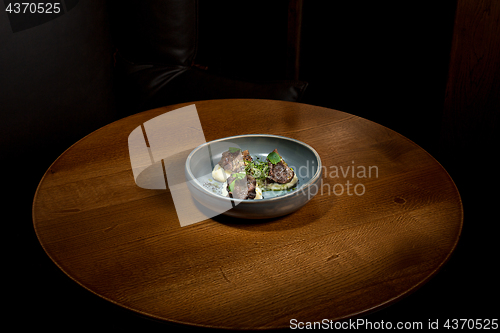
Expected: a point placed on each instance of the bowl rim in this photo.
(313, 179)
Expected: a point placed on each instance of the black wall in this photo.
(56, 78)
(55, 87)
(383, 62)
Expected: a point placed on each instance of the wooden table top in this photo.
(342, 254)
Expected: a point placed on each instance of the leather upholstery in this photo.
(157, 42)
(146, 86)
(155, 31)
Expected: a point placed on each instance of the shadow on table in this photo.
(293, 220)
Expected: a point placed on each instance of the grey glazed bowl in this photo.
(303, 159)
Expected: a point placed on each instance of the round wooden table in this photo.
(364, 241)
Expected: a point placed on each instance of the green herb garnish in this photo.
(234, 150)
(237, 176)
(273, 157)
(258, 169)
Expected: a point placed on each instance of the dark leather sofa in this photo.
(157, 44)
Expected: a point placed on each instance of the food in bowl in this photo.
(304, 161)
(246, 178)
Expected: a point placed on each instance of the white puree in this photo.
(220, 174)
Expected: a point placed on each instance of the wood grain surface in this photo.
(341, 255)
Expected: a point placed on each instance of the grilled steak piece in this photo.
(251, 185)
(243, 188)
(234, 161)
(280, 172)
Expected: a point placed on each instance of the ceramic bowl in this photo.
(302, 158)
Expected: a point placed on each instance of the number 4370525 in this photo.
(33, 8)
(471, 324)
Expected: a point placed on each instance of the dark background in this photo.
(430, 72)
